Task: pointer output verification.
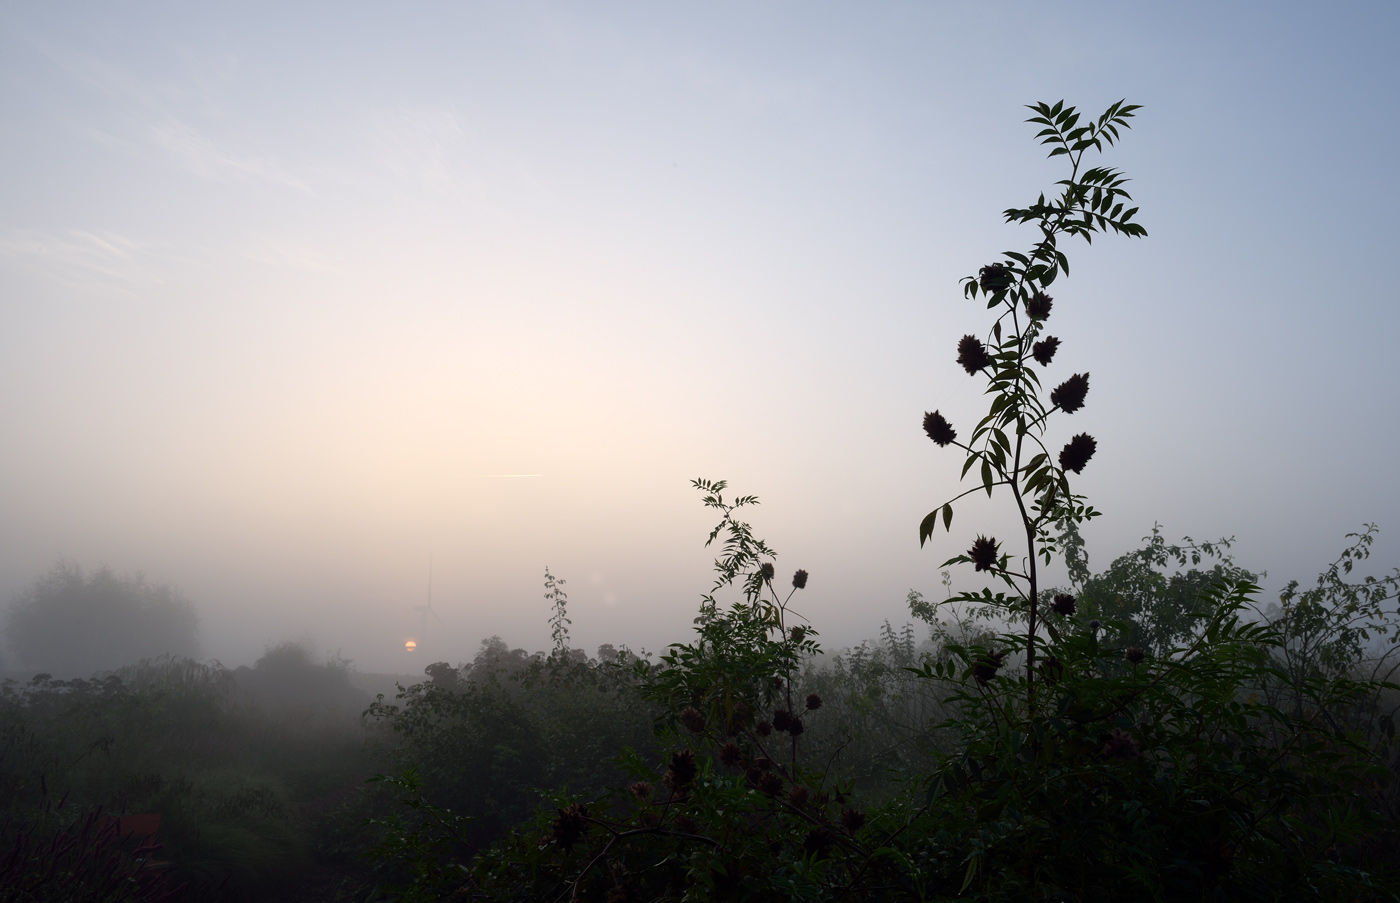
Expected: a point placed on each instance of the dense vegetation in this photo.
(1150, 731)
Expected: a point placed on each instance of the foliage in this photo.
(1141, 605)
(489, 743)
(249, 798)
(74, 623)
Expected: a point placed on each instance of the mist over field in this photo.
(297, 301)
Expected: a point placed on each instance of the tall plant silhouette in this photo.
(1010, 445)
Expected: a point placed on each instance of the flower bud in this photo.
(1044, 350)
(983, 553)
(1077, 452)
(939, 429)
(972, 354)
(1069, 395)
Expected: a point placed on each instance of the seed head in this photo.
(852, 820)
(1063, 604)
(799, 580)
(766, 569)
(994, 278)
(1051, 670)
(795, 727)
(770, 784)
(642, 790)
(621, 893)
(983, 553)
(798, 633)
(1069, 395)
(1094, 624)
(939, 429)
(682, 770)
(1038, 306)
(571, 824)
(818, 841)
(1135, 655)
(782, 719)
(798, 795)
(730, 755)
(1044, 350)
(1120, 745)
(1077, 452)
(987, 667)
(763, 728)
(692, 719)
(972, 354)
(814, 702)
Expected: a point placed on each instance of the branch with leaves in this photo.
(1008, 446)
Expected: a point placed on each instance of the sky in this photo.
(297, 299)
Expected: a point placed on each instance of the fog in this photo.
(305, 311)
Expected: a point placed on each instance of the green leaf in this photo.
(928, 525)
(948, 518)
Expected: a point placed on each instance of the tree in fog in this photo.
(74, 623)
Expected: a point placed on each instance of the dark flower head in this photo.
(682, 770)
(692, 719)
(798, 633)
(619, 893)
(1135, 655)
(798, 796)
(987, 666)
(983, 553)
(730, 754)
(1120, 745)
(571, 824)
(1094, 624)
(642, 790)
(1038, 306)
(777, 681)
(1069, 395)
(799, 580)
(852, 820)
(972, 354)
(818, 841)
(1077, 452)
(1063, 604)
(1044, 350)
(649, 818)
(782, 719)
(770, 784)
(939, 429)
(763, 728)
(762, 763)
(1051, 669)
(766, 569)
(994, 278)
(814, 701)
(795, 727)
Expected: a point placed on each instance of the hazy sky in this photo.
(291, 293)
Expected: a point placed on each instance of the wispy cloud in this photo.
(202, 156)
(144, 116)
(104, 262)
